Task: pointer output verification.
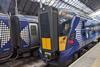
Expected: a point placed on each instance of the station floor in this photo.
(89, 59)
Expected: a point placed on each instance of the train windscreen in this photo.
(64, 28)
(45, 29)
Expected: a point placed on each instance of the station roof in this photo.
(30, 7)
(92, 4)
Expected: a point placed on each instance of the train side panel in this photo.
(6, 47)
(27, 33)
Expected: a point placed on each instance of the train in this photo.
(64, 38)
(18, 36)
(54, 38)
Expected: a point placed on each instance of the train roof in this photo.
(4, 16)
(27, 18)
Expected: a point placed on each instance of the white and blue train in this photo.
(18, 36)
(61, 41)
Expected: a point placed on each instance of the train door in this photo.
(93, 32)
(5, 38)
(83, 30)
(87, 29)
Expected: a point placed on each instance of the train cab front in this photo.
(48, 33)
(52, 37)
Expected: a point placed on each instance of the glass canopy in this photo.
(71, 5)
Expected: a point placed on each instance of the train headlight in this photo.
(48, 55)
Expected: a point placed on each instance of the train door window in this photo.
(87, 32)
(33, 30)
(92, 31)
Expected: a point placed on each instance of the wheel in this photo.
(75, 56)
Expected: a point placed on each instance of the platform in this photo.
(24, 62)
(89, 59)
